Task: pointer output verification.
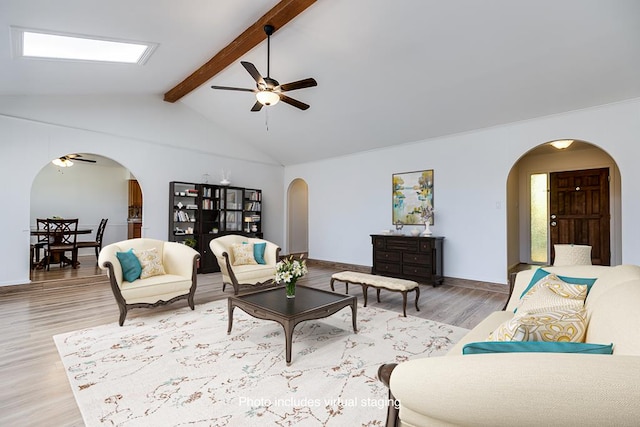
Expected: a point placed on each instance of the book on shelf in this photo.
(252, 206)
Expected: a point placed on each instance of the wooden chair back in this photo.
(62, 231)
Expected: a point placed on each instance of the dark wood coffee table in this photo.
(309, 303)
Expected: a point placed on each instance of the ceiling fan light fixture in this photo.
(63, 163)
(561, 144)
(266, 97)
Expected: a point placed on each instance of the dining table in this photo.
(57, 239)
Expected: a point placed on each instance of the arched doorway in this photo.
(298, 217)
(90, 191)
(543, 162)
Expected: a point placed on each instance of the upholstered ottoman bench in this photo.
(378, 282)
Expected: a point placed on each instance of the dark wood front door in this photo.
(579, 211)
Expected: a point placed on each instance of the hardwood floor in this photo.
(35, 390)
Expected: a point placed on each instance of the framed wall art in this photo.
(413, 197)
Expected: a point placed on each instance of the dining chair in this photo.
(96, 244)
(41, 241)
(61, 238)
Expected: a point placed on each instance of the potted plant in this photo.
(191, 242)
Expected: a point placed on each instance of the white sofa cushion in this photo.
(161, 287)
(572, 255)
(615, 318)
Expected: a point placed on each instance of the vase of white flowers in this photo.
(288, 271)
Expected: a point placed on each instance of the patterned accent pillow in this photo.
(243, 254)
(552, 293)
(562, 325)
(150, 262)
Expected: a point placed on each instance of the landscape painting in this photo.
(413, 197)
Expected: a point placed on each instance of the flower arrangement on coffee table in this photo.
(288, 271)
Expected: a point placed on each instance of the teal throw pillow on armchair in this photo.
(258, 252)
(131, 268)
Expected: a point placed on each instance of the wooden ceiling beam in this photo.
(278, 16)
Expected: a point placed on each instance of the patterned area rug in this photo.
(181, 368)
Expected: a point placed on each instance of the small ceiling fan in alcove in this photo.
(67, 161)
(268, 91)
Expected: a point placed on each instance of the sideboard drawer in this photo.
(402, 244)
(426, 245)
(411, 258)
(415, 270)
(388, 256)
(383, 267)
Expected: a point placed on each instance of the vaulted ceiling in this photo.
(388, 72)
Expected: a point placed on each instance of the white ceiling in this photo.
(388, 72)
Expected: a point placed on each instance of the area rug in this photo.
(181, 368)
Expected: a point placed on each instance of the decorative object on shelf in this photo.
(415, 232)
(411, 192)
(288, 271)
(225, 178)
(426, 213)
(205, 178)
(191, 242)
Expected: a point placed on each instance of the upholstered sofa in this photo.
(239, 274)
(533, 389)
(178, 278)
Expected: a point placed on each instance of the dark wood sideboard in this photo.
(407, 257)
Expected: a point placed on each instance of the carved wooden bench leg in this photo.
(404, 303)
(417, 296)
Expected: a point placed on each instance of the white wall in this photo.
(31, 143)
(350, 197)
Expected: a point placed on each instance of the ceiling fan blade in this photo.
(300, 84)
(233, 88)
(254, 72)
(294, 102)
(257, 106)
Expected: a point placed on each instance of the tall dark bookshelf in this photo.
(199, 213)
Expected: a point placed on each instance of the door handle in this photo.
(553, 216)
(553, 223)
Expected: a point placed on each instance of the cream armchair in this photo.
(248, 274)
(176, 281)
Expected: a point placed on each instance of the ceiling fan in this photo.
(66, 161)
(268, 91)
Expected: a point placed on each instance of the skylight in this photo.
(37, 44)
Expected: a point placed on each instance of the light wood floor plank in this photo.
(35, 390)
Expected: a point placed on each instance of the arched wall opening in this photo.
(545, 159)
(87, 191)
(298, 217)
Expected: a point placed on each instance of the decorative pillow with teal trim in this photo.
(258, 252)
(541, 273)
(536, 347)
(551, 293)
(131, 268)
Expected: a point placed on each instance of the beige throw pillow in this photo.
(551, 293)
(150, 262)
(560, 326)
(243, 254)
